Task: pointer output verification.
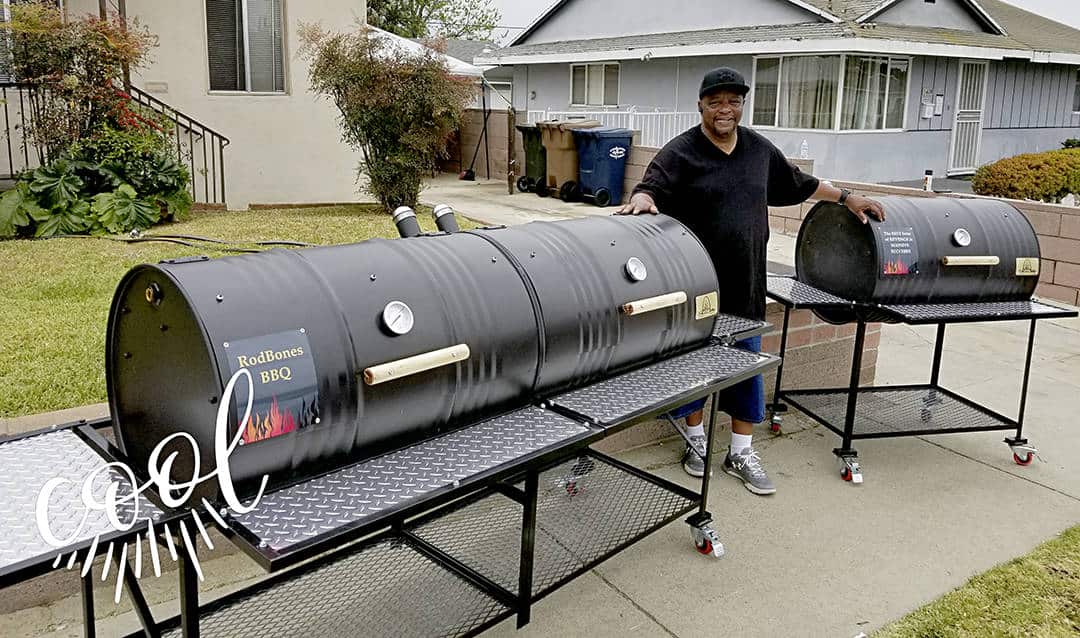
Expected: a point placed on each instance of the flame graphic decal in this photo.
(274, 423)
(896, 268)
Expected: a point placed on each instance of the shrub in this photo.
(72, 67)
(1071, 143)
(1046, 177)
(398, 108)
(108, 164)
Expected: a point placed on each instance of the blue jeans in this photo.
(744, 401)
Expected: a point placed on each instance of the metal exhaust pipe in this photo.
(444, 219)
(405, 220)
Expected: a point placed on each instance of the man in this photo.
(719, 179)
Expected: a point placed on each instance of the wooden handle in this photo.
(414, 365)
(970, 260)
(641, 306)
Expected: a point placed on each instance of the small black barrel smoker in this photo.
(933, 261)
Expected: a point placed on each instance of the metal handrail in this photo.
(192, 140)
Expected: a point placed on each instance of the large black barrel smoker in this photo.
(928, 250)
(932, 261)
(361, 348)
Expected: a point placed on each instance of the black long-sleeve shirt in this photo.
(724, 200)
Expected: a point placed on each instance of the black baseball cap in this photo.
(723, 79)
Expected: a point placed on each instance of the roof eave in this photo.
(824, 45)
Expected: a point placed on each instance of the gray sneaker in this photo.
(691, 462)
(746, 466)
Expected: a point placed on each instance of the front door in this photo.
(967, 127)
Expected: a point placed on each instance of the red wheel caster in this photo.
(1024, 460)
(704, 547)
(775, 428)
(572, 488)
(845, 474)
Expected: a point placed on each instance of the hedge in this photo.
(1046, 177)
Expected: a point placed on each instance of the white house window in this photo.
(594, 84)
(804, 92)
(875, 92)
(244, 45)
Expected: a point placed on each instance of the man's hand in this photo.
(639, 204)
(861, 206)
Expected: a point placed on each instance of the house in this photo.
(872, 90)
(232, 66)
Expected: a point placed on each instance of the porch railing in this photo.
(656, 127)
(199, 147)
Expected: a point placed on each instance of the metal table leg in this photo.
(777, 407)
(89, 626)
(1023, 452)
(705, 537)
(528, 546)
(138, 601)
(189, 594)
(847, 455)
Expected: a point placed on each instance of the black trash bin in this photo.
(602, 155)
(535, 159)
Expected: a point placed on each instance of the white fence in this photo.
(657, 127)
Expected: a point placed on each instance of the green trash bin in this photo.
(535, 160)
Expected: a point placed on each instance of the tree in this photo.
(398, 107)
(450, 19)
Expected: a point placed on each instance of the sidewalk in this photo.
(822, 557)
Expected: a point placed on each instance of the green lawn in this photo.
(55, 294)
(1037, 595)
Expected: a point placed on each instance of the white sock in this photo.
(740, 442)
(695, 430)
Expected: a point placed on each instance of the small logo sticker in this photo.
(1027, 266)
(706, 306)
(617, 152)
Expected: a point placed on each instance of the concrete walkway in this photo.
(821, 557)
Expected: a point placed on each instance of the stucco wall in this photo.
(284, 147)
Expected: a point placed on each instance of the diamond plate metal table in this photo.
(303, 519)
(625, 398)
(795, 294)
(729, 328)
(26, 464)
(970, 312)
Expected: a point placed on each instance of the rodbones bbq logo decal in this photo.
(617, 152)
(172, 495)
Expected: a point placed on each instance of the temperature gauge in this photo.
(635, 269)
(961, 237)
(398, 317)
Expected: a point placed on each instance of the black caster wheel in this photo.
(570, 191)
(524, 184)
(1024, 460)
(542, 190)
(602, 197)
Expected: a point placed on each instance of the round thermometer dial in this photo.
(635, 269)
(398, 317)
